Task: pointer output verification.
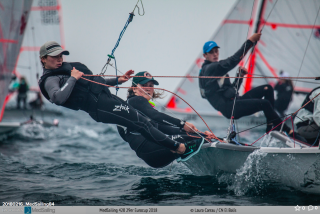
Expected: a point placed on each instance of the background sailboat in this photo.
(283, 43)
(13, 20)
(44, 24)
(290, 36)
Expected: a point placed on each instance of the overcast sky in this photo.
(165, 41)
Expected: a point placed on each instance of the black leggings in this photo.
(153, 154)
(111, 109)
(252, 102)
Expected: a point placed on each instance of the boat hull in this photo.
(8, 128)
(298, 168)
(11, 113)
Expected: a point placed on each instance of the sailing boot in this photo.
(192, 148)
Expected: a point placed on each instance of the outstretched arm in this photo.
(122, 79)
(222, 67)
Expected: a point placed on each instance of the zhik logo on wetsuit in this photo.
(121, 107)
(176, 136)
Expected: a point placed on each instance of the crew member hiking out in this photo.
(308, 118)
(61, 83)
(221, 93)
(154, 154)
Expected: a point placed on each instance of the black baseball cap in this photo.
(146, 77)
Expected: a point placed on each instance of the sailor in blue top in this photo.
(221, 93)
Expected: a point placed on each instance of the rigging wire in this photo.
(295, 84)
(215, 77)
(265, 21)
(163, 90)
(239, 74)
(307, 45)
(112, 56)
(292, 115)
(139, 8)
(169, 110)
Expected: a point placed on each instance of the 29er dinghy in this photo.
(278, 157)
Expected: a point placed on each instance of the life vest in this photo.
(82, 89)
(219, 86)
(309, 106)
(201, 87)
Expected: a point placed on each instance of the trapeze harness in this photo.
(220, 92)
(221, 89)
(79, 97)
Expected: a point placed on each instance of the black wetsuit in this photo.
(62, 89)
(284, 96)
(221, 93)
(307, 120)
(153, 153)
(22, 94)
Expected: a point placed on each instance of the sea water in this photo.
(82, 162)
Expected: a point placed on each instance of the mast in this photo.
(252, 61)
(258, 25)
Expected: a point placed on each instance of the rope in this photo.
(111, 56)
(174, 114)
(139, 8)
(261, 124)
(159, 103)
(287, 118)
(307, 45)
(239, 74)
(265, 21)
(163, 90)
(210, 77)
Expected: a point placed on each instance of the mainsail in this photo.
(287, 27)
(13, 20)
(285, 41)
(44, 24)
